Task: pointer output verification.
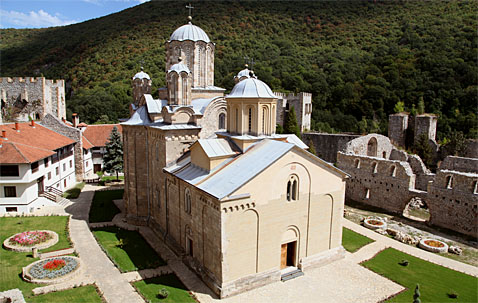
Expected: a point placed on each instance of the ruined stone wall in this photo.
(397, 128)
(471, 149)
(377, 182)
(461, 164)
(302, 103)
(55, 124)
(327, 145)
(425, 124)
(34, 97)
(453, 201)
(361, 146)
(423, 174)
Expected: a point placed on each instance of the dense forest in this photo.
(359, 59)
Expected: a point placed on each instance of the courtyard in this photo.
(130, 264)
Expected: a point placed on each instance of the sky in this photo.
(47, 13)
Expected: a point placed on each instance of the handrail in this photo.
(56, 191)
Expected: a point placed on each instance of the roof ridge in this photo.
(19, 151)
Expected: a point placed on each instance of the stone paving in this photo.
(341, 281)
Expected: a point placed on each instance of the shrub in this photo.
(163, 293)
(452, 294)
(404, 263)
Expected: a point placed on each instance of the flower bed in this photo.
(374, 223)
(52, 270)
(27, 240)
(433, 245)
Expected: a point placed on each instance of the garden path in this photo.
(112, 284)
(382, 242)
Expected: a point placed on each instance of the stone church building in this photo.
(242, 205)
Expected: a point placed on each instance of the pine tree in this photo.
(312, 148)
(290, 125)
(424, 150)
(421, 106)
(113, 158)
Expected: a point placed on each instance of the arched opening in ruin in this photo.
(372, 147)
(417, 210)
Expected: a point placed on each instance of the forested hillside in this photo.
(357, 58)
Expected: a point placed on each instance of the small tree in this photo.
(312, 148)
(424, 150)
(113, 158)
(416, 295)
(290, 125)
(455, 145)
(421, 106)
(399, 107)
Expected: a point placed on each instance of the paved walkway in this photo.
(114, 286)
(382, 242)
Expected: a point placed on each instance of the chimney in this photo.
(64, 120)
(17, 127)
(4, 134)
(76, 120)
(33, 123)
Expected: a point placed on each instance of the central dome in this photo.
(251, 88)
(189, 32)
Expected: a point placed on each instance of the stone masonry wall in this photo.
(55, 124)
(360, 146)
(327, 145)
(461, 164)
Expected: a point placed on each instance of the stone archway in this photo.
(417, 209)
(372, 147)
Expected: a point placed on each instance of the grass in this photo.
(85, 294)
(127, 249)
(149, 288)
(74, 192)
(11, 263)
(103, 208)
(436, 282)
(353, 241)
(105, 179)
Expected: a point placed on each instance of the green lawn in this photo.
(353, 241)
(177, 291)
(85, 294)
(102, 208)
(435, 281)
(134, 254)
(11, 263)
(74, 192)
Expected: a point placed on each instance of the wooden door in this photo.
(283, 256)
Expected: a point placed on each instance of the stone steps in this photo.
(291, 275)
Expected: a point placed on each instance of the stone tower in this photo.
(397, 128)
(425, 124)
(192, 44)
(141, 85)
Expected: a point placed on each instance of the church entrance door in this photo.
(287, 256)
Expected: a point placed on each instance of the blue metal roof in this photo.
(154, 105)
(244, 168)
(178, 68)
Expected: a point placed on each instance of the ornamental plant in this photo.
(56, 264)
(30, 238)
(163, 293)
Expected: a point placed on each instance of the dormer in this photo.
(209, 153)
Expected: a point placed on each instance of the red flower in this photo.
(54, 264)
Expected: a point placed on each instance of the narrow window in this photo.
(374, 167)
(393, 171)
(249, 127)
(49, 175)
(449, 182)
(71, 163)
(34, 167)
(187, 202)
(222, 121)
(289, 189)
(47, 162)
(367, 193)
(294, 190)
(263, 121)
(384, 155)
(357, 163)
(475, 187)
(64, 166)
(237, 120)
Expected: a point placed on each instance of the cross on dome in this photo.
(190, 7)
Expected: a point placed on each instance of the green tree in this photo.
(279, 129)
(399, 107)
(421, 106)
(455, 145)
(290, 125)
(424, 150)
(362, 126)
(113, 158)
(312, 148)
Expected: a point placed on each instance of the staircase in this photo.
(52, 194)
(293, 273)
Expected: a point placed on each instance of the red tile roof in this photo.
(98, 134)
(86, 144)
(29, 144)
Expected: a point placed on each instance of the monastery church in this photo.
(242, 205)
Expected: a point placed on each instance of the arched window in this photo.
(249, 125)
(393, 171)
(222, 121)
(384, 155)
(265, 120)
(372, 147)
(449, 182)
(475, 187)
(374, 167)
(184, 96)
(293, 188)
(357, 163)
(187, 201)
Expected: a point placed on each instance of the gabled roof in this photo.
(86, 144)
(139, 117)
(29, 144)
(98, 134)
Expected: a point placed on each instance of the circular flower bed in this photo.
(27, 240)
(374, 223)
(433, 245)
(52, 270)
